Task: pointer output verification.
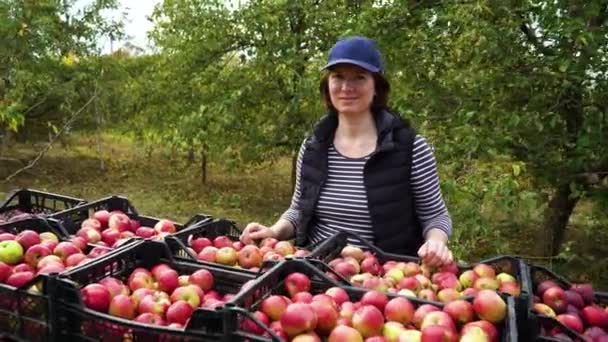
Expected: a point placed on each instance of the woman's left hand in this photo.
(435, 252)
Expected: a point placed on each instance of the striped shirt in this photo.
(342, 203)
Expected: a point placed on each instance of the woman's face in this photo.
(351, 89)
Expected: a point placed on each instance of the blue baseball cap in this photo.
(356, 50)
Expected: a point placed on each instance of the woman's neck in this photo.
(356, 126)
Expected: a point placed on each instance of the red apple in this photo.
(65, 249)
(575, 299)
(490, 306)
(103, 216)
(368, 320)
(375, 298)
(460, 311)
(96, 297)
(187, 294)
(79, 242)
(343, 333)
(571, 321)
(338, 294)
(208, 253)
(555, 297)
(399, 310)
(168, 281)
(302, 297)
(119, 222)
(28, 238)
(48, 260)
(122, 306)
(226, 256)
(145, 232)
(585, 290)
(158, 269)
(202, 278)
(35, 253)
(5, 271)
(165, 226)
(543, 286)
(93, 223)
(222, 241)
(297, 282)
(139, 294)
(140, 280)
(467, 278)
(595, 316)
(157, 303)
(274, 306)
(150, 318)
(421, 312)
(249, 325)
(200, 243)
(298, 318)
(268, 242)
(284, 248)
(249, 256)
(179, 312)
(484, 270)
(89, 234)
(19, 279)
(353, 252)
(437, 333)
(74, 259)
(372, 266)
(489, 328)
(438, 318)
(115, 286)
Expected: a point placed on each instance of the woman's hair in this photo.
(381, 88)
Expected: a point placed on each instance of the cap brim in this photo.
(363, 65)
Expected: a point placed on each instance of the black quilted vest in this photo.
(387, 182)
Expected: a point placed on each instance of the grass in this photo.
(158, 184)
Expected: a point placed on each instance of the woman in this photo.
(364, 169)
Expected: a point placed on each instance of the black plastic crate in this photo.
(180, 241)
(75, 322)
(537, 275)
(26, 313)
(71, 220)
(272, 282)
(198, 219)
(30, 201)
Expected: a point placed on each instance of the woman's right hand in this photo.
(255, 231)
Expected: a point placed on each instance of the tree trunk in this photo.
(558, 214)
(204, 165)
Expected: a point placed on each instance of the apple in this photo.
(119, 222)
(353, 252)
(543, 286)
(168, 281)
(571, 321)
(140, 280)
(511, 288)
(298, 318)
(199, 243)
(23, 267)
(150, 318)
(274, 306)
(345, 269)
(5, 271)
(440, 318)
(460, 311)
(484, 271)
(448, 294)
(179, 312)
(139, 294)
(75, 259)
(93, 223)
(421, 312)
(327, 315)
(343, 333)
(505, 277)
(164, 225)
(475, 334)
(390, 332)
(27, 238)
(484, 283)
(375, 298)
(158, 269)
(226, 256)
(297, 282)
(122, 306)
(249, 256)
(103, 216)
(187, 294)
(115, 286)
(302, 297)
(372, 266)
(208, 253)
(48, 260)
(399, 310)
(64, 249)
(19, 279)
(575, 299)
(7, 236)
(395, 274)
(222, 241)
(338, 294)
(595, 316)
(489, 328)
(249, 325)
(145, 232)
(428, 294)
(89, 234)
(585, 290)
(202, 278)
(410, 335)
(96, 297)
(468, 278)
(35, 253)
(490, 306)
(157, 303)
(11, 252)
(437, 333)
(284, 248)
(268, 242)
(368, 320)
(555, 297)
(308, 337)
(79, 242)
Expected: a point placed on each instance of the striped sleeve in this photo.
(292, 214)
(430, 207)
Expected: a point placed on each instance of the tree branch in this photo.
(33, 162)
(533, 39)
